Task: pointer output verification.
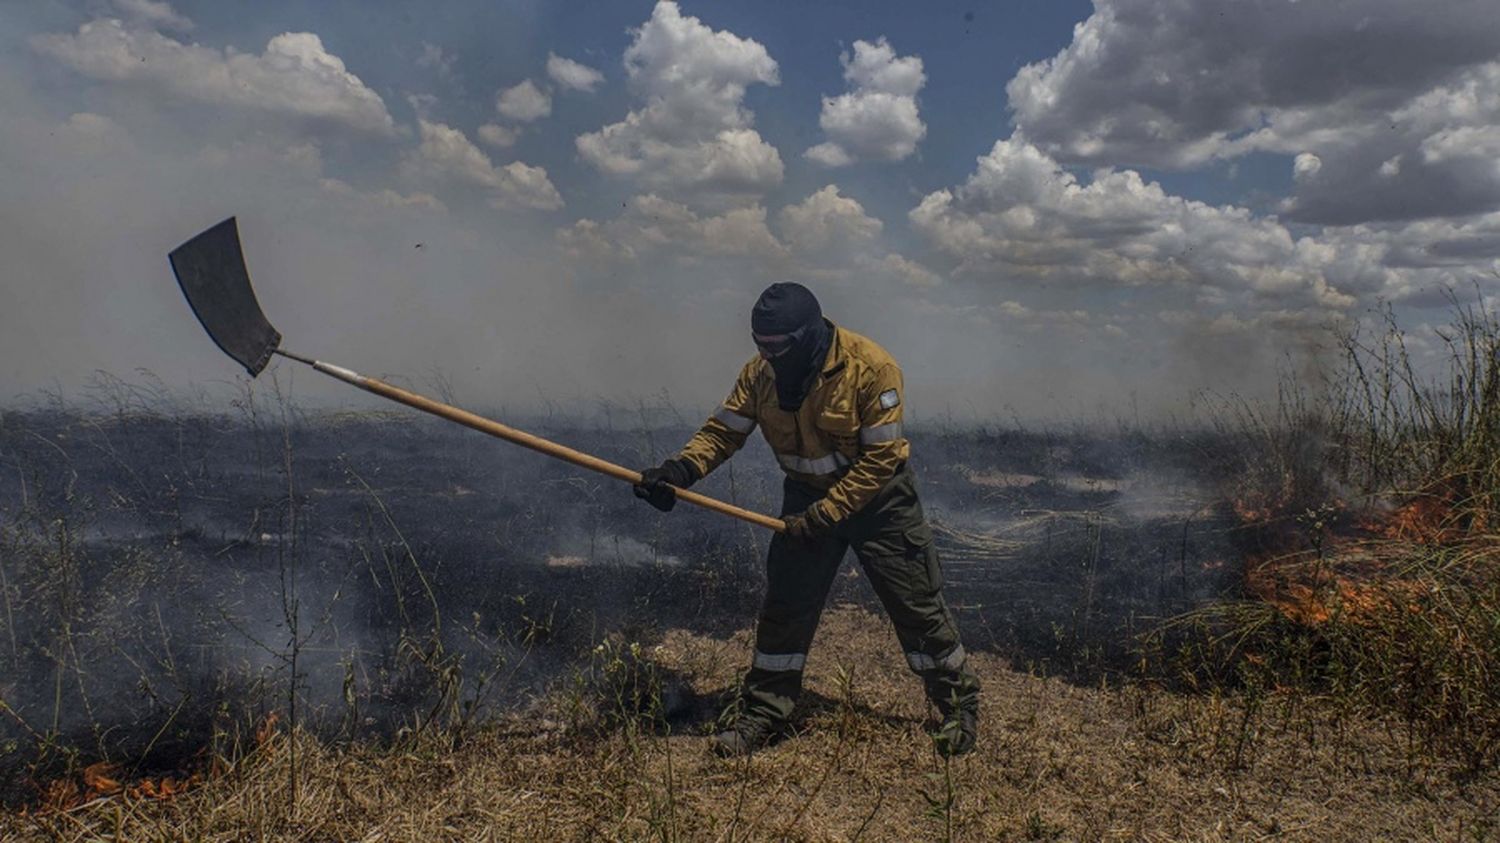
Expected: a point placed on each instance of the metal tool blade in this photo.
(211, 271)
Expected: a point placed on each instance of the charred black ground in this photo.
(155, 563)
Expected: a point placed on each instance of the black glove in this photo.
(656, 486)
(807, 526)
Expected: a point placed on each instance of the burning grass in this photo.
(1371, 574)
(104, 779)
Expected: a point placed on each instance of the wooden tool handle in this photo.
(535, 443)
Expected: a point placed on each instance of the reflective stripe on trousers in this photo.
(921, 661)
(779, 661)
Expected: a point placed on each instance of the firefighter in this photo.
(829, 402)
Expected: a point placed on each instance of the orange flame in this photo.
(267, 728)
(106, 779)
(103, 779)
(1352, 575)
(1425, 520)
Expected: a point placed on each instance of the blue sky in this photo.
(1040, 208)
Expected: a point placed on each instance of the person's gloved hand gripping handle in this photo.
(807, 525)
(657, 484)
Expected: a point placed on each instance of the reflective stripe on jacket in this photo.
(845, 438)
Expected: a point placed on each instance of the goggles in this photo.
(778, 344)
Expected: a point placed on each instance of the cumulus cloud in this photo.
(1174, 82)
(1305, 166)
(831, 237)
(1417, 263)
(907, 272)
(826, 240)
(1022, 216)
(383, 198)
(295, 75)
(877, 119)
(652, 225)
(154, 13)
(827, 219)
(572, 75)
(1371, 88)
(524, 102)
(87, 126)
(1074, 321)
(435, 58)
(1433, 156)
(501, 137)
(693, 131)
(447, 155)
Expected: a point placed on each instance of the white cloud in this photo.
(498, 136)
(526, 186)
(829, 155)
(693, 131)
(827, 237)
(1433, 156)
(295, 75)
(87, 126)
(1020, 216)
(384, 198)
(830, 236)
(827, 219)
(652, 226)
(1417, 262)
(154, 13)
(906, 271)
(1306, 165)
(877, 120)
(524, 102)
(572, 75)
(1072, 321)
(446, 154)
(435, 58)
(1372, 88)
(1176, 83)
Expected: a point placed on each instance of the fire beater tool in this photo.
(211, 270)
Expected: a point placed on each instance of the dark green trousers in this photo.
(893, 542)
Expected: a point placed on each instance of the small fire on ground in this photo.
(1352, 573)
(108, 779)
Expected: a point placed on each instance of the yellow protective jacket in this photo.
(846, 437)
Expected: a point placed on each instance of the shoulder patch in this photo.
(890, 399)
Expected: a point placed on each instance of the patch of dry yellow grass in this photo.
(1056, 761)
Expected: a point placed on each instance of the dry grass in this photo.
(1056, 761)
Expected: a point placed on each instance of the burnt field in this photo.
(172, 581)
(275, 623)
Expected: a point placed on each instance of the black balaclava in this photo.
(790, 308)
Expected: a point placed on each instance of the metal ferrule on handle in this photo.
(524, 439)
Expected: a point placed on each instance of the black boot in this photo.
(958, 733)
(743, 738)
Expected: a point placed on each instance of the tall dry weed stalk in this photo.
(1425, 427)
